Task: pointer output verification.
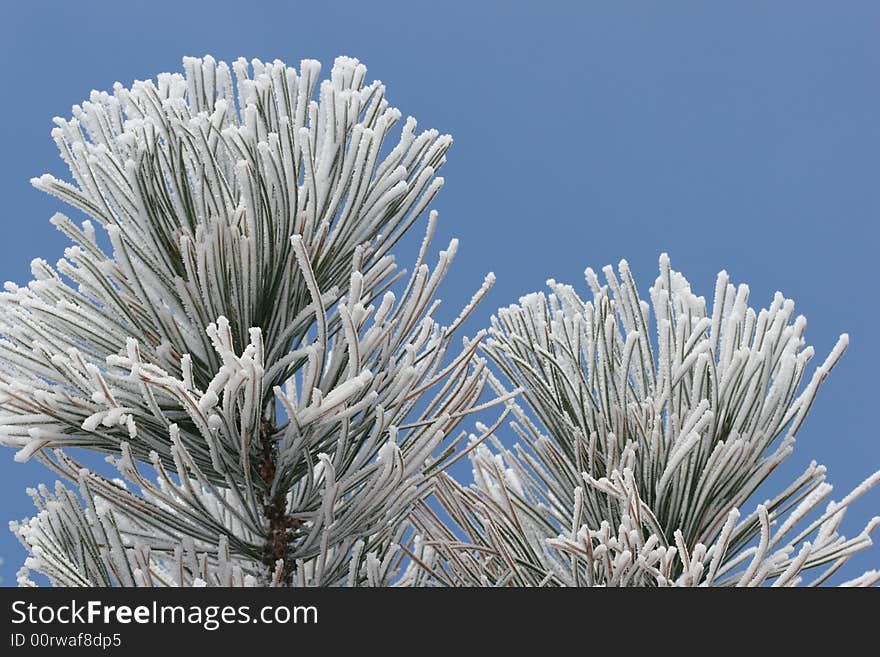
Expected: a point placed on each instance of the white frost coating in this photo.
(671, 436)
(250, 211)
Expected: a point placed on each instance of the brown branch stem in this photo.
(281, 525)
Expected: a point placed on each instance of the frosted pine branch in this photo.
(639, 455)
(200, 181)
(280, 403)
(272, 405)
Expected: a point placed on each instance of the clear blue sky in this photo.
(742, 136)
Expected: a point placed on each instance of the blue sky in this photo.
(742, 136)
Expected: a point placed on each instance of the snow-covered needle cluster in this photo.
(239, 337)
(230, 329)
(639, 453)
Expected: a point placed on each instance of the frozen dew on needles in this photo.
(648, 428)
(282, 405)
(243, 352)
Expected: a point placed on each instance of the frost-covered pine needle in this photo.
(272, 400)
(278, 398)
(651, 427)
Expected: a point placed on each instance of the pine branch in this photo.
(248, 337)
(637, 455)
(250, 227)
